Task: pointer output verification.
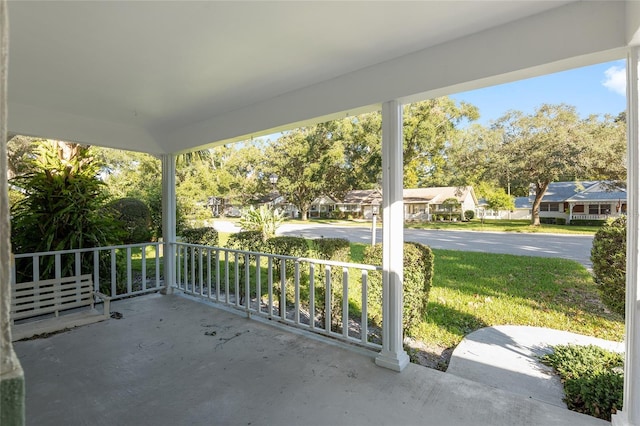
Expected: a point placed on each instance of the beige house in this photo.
(421, 204)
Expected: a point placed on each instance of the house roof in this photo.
(522, 203)
(576, 191)
(174, 76)
(363, 196)
(561, 191)
(436, 195)
(599, 196)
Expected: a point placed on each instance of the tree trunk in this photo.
(541, 188)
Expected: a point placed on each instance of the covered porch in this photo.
(174, 360)
(172, 77)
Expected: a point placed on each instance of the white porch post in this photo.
(630, 414)
(392, 355)
(169, 220)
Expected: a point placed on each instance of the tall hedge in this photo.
(206, 236)
(609, 258)
(289, 246)
(135, 219)
(246, 240)
(418, 274)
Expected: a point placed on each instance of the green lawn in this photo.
(473, 290)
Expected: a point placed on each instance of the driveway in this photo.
(574, 247)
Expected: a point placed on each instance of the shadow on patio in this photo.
(172, 360)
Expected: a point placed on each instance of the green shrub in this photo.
(246, 240)
(592, 383)
(418, 273)
(561, 221)
(469, 214)
(587, 222)
(263, 219)
(205, 236)
(338, 249)
(609, 258)
(289, 246)
(135, 219)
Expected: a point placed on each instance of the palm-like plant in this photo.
(263, 219)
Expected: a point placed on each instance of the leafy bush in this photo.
(135, 219)
(289, 246)
(469, 214)
(205, 236)
(587, 222)
(338, 249)
(263, 219)
(62, 209)
(609, 258)
(592, 383)
(246, 240)
(418, 273)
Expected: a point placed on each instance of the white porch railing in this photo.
(321, 296)
(581, 216)
(117, 271)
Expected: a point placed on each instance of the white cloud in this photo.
(616, 80)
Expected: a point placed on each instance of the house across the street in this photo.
(574, 202)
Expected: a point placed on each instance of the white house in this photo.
(422, 203)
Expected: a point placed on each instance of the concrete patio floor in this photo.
(174, 361)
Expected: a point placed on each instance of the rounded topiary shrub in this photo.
(338, 249)
(246, 240)
(609, 258)
(135, 219)
(289, 246)
(418, 274)
(469, 214)
(205, 236)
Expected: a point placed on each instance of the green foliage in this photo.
(418, 274)
(205, 236)
(338, 249)
(134, 217)
(247, 241)
(263, 219)
(63, 206)
(500, 200)
(609, 258)
(587, 222)
(592, 380)
(289, 246)
(469, 214)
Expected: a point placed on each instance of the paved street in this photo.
(575, 247)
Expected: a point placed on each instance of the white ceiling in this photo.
(170, 76)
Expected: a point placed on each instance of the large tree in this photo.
(554, 144)
(309, 163)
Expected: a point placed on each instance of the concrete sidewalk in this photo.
(506, 358)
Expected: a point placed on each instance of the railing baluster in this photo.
(364, 320)
(283, 290)
(258, 284)
(193, 270)
(247, 285)
(96, 270)
(218, 274)
(157, 253)
(327, 298)
(129, 273)
(226, 276)
(200, 271)
(58, 266)
(312, 296)
(209, 274)
(270, 285)
(236, 279)
(345, 302)
(296, 292)
(143, 258)
(113, 273)
(35, 265)
(178, 266)
(77, 263)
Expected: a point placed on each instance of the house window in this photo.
(549, 207)
(599, 209)
(578, 208)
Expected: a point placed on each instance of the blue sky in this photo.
(597, 89)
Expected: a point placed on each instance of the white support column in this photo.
(392, 355)
(630, 414)
(169, 220)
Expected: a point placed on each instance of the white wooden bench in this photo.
(46, 306)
